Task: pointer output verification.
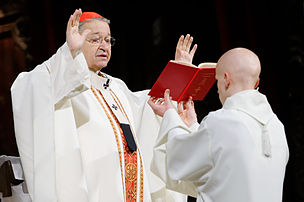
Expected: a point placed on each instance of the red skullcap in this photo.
(89, 15)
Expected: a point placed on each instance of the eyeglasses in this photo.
(98, 40)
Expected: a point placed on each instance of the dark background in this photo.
(146, 34)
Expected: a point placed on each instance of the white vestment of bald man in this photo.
(237, 153)
(71, 147)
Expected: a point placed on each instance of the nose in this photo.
(102, 44)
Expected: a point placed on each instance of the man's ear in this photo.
(227, 79)
(257, 83)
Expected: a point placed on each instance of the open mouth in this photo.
(102, 54)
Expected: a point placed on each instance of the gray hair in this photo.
(97, 18)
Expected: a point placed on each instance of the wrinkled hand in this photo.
(187, 112)
(161, 105)
(74, 39)
(183, 53)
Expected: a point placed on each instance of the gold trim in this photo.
(128, 156)
(116, 138)
(141, 162)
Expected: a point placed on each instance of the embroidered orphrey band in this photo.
(141, 162)
(130, 159)
(116, 135)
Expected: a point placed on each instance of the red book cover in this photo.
(184, 80)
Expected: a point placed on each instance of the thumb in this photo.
(180, 107)
(189, 103)
(167, 95)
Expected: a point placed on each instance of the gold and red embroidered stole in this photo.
(130, 158)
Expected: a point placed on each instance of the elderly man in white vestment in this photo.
(237, 153)
(83, 135)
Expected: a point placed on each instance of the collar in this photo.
(100, 80)
(251, 102)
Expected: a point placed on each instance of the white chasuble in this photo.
(67, 123)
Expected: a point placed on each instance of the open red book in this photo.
(184, 80)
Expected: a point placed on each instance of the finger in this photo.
(180, 107)
(150, 102)
(185, 104)
(189, 103)
(189, 44)
(79, 13)
(159, 101)
(155, 100)
(152, 99)
(69, 23)
(167, 95)
(191, 100)
(73, 17)
(192, 52)
(185, 42)
(76, 18)
(180, 42)
(154, 107)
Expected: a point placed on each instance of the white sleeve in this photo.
(161, 159)
(68, 76)
(34, 95)
(188, 153)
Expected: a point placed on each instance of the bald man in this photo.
(238, 153)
